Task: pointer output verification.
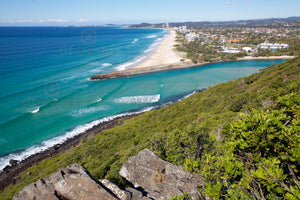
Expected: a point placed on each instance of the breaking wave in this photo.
(139, 99)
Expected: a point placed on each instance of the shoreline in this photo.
(140, 59)
(166, 58)
(174, 66)
(10, 174)
(164, 54)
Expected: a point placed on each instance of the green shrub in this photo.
(190, 131)
(184, 196)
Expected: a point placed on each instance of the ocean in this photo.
(45, 94)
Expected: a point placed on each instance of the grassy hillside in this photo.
(183, 133)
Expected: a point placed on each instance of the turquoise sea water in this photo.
(46, 96)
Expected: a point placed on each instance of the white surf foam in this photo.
(98, 70)
(36, 110)
(134, 41)
(4, 161)
(97, 100)
(139, 99)
(151, 36)
(187, 96)
(106, 64)
(84, 111)
(130, 64)
(153, 46)
(101, 69)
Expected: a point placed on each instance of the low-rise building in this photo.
(182, 29)
(272, 46)
(230, 50)
(247, 49)
(191, 37)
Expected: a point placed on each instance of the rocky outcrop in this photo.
(72, 182)
(158, 178)
(121, 194)
(150, 177)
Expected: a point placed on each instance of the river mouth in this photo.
(54, 97)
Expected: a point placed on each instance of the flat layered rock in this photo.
(158, 178)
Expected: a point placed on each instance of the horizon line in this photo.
(35, 24)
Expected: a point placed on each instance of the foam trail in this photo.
(4, 161)
(151, 36)
(139, 99)
(134, 41)
(36, 110)
(106, 64)
(98, 100)
(187, 96)
(153, 46)
(128, 65)
(82, 111)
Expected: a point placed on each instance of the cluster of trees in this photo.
(269, 52)
(199, 52)
(258, 155)
(258, 158)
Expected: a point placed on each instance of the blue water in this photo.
(46, 96)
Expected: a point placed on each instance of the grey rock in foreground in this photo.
(158, 178)
(152, 178)
(72, 182)
(121, 194)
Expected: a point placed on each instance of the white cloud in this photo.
(228, 3)
(56, 20)
(17, 21)
(32, 21)
(52, 20)
(83, 20)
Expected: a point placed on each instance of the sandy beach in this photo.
(173, 66)
(166, 57)
(165, 54)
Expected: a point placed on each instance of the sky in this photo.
(98, 12)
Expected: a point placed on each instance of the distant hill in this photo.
(266, 21)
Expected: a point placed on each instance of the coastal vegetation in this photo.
(199, 51)
(223, 42)
(241, 136)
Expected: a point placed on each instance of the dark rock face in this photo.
(158, 178)
(152, 178)
(13, 162)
